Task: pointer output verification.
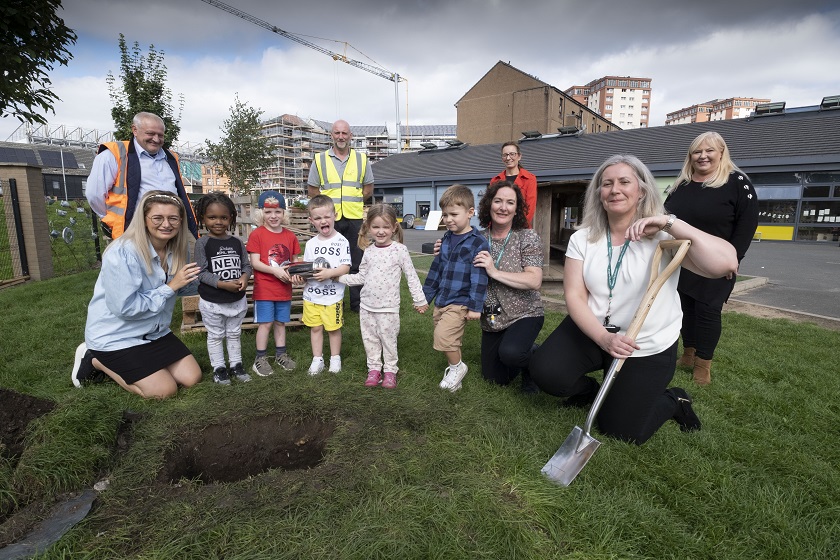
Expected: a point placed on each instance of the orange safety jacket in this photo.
(123, 196)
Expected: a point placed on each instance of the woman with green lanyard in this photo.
(606, 273)
(513, 310)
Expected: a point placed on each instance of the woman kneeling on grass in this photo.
(127, 333)
(607, 271)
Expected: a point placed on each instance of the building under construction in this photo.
(295, 141)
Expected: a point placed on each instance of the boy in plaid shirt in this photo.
(457, 286)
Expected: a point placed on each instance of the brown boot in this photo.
(687, 359)
(702, 371)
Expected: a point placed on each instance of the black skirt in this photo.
(139, 362)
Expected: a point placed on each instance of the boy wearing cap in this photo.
(272, 248)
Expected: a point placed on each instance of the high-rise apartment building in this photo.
(623, 100)
(715, 110)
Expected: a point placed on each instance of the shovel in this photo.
(575, 452)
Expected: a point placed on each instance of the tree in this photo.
(143, 88)
(32, 40)
(243, 151)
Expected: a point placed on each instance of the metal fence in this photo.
(75, 242)
(75, 238)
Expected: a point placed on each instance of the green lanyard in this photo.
(612, 275)
(502, 251)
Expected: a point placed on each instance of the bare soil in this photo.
(216, 454)
(16, 412)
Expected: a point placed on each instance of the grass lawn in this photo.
(418, 472)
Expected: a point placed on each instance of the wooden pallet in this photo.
(191, 316)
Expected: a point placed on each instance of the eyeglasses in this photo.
(511, 155)
(158, 220)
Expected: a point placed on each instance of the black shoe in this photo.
(685, 416)
(582, 400)
(238, 372)
(83, 370)
(220, 376)
(528, 385)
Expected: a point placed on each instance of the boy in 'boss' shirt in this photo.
(323, 294)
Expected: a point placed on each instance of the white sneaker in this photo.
(317, 365)
(452, 377)
(335, 364)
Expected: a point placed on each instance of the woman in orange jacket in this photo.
(521, 177)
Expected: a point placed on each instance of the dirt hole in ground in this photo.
(239, 449)
(16, 412)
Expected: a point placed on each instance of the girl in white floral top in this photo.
(383, 264)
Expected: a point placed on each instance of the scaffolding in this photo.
(295, 142)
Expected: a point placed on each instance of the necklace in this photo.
(612, 276)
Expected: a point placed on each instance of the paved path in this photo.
(801, 277)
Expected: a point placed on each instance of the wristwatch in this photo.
(671, 219)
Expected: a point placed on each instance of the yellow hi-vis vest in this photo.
(345, 191)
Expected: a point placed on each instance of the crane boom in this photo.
(381, 72)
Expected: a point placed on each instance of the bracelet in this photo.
(671, 219)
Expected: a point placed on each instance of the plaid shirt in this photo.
(453, 279)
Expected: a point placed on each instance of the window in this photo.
(821, 191)
(820, 212)
(787, 178)
(776, 211)
(84, 186)
(823, 177)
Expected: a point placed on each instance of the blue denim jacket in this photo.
(130, 306)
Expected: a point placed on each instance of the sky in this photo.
(696, 52)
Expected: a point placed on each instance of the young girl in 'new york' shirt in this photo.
(382, 265)
(225, 271)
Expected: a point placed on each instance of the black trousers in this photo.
(701, 326)
(637, 404)
(505, 353)
(350, 229)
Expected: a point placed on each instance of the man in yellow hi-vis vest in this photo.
(345, 176)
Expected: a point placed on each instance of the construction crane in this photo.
(376, 70)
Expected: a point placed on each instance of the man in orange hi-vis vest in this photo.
(123, 172)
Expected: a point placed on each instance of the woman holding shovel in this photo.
(606, 274)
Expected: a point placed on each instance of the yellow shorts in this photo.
(450, 323)
(331, 317)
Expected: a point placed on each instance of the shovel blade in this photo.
(572, 456)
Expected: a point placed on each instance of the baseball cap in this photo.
(271, 199)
